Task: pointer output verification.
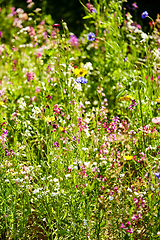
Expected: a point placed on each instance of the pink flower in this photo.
(74, 40)
(111, 193)
(37, 90)
(102, 188)
(134, 5)
(122, 226)
(5, 216)
(56, 25)
(128, 223)
(115, 189)
(130, 231)
(156, 120)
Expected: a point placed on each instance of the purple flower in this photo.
(134, 103)
(1, 35)
(74, 40)
(94, 10)
(131, 106)
(91, 36)
(81, 80)
(157, 175)
(56, 144)
(126, 59)
(134, 6)
(49, 97)
(144, 14)
(128, 6)
(30, 76)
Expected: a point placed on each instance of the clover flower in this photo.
(81, 80)
(91, 36)
(144, 14)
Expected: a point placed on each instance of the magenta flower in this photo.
(49, 97)
(56, 25)
(56, 144)
(128, 223)
(122, 226)
(130, 231)
(115, 189)
(30, 76)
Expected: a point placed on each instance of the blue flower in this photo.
(126, 59)
(91, 36)
(94, 10)
(81, 80)
(144, 14)
(157, 175)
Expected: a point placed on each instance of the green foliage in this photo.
(79, 136)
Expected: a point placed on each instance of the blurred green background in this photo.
(71, 11)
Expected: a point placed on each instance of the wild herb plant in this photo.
(79, 126)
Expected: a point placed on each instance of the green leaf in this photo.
(88, 16)
(121, 93)
(62, 232)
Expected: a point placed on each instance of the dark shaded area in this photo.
(151, 6)
(72, 12)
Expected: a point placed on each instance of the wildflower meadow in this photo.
(79, 125)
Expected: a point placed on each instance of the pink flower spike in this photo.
(5, 216)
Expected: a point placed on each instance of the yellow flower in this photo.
(1, 103)
(63, 129)
(128, 157)
(80, 72)
(50, 119)
(158, 99)
(125, 98)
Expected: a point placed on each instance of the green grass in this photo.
(79, 160)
